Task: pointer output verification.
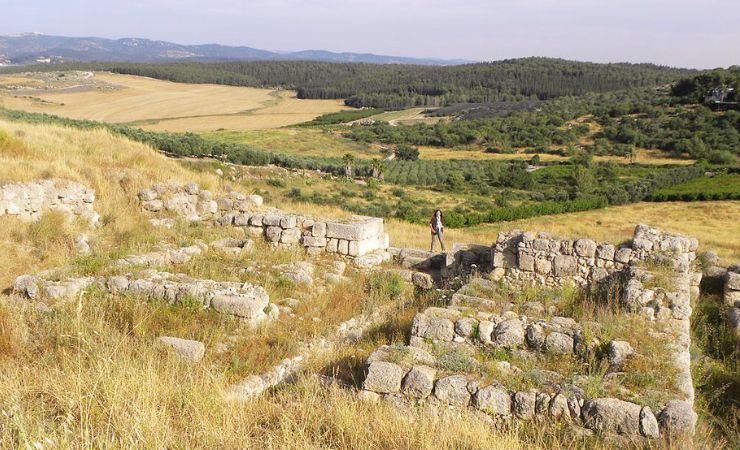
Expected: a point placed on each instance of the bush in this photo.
(406, 152)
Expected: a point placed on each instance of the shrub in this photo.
(407, 152)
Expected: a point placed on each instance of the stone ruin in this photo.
(459, 355)
(246, 301)
(362, 238)
(28, 201)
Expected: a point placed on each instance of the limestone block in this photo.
(466, 326)
(288, 222)
(542, 266)
(564, 266)
(509, 333)
(332, 245)
(585, 248)
(363, 247)
(256, 220)
(453, 390)
(343, 247)
(318, 229)
(526, 261)
(612, 416)
(246, 306)
(290, 236)
(273, 233)
(535, 336)
(541, 245)
(559, 407)
(241, 220)
(493, 400)
(271, 220)
(356, 231)
(559, 344)
(732, 281)
(422, 280)
(191, 351)
(523, 404)
(485, 331)
(648, 423)
(605, 251)
(314, 241)
(504, 259)
(383, 377)
(419, 382)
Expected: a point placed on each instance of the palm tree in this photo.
(348, 159)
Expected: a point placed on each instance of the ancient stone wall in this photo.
(478, 318)
(356, 237)
(28, 201)
(528, 256)
(243, 300)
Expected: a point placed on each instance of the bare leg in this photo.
(431, 249)
(441, 242)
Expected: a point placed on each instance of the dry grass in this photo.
(409, 116)
(710, 222)
(88, 374)
(642, 156)
(298, 141)
(115, 168)
(166, 106)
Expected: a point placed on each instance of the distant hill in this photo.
(34, 48)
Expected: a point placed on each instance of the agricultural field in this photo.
(717, 187)
(408, 116)
(160, 105)
(297, 141)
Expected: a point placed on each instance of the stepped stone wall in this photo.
(356, 237)
(28, 201)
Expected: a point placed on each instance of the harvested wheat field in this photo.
(163, 105)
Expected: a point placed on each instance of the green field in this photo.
(717, 187)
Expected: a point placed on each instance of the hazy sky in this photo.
(687, 33)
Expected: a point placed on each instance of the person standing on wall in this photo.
(437, 227)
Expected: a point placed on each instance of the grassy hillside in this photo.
(88, 375)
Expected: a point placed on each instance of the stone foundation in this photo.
(243, 300)
(475, 322)
(356, 237)
(28, 201)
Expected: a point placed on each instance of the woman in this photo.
(437, 228)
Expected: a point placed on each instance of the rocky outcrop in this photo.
(28, 201)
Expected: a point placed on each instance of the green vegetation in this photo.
(342, 117)
(623, 120)
(717, 187)
(395, 86)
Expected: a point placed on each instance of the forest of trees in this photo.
(673, 120)
(395, 86)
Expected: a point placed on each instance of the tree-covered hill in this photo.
(396, 86)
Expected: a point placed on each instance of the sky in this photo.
(682, 33)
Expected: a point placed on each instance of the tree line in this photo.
(396, 86)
